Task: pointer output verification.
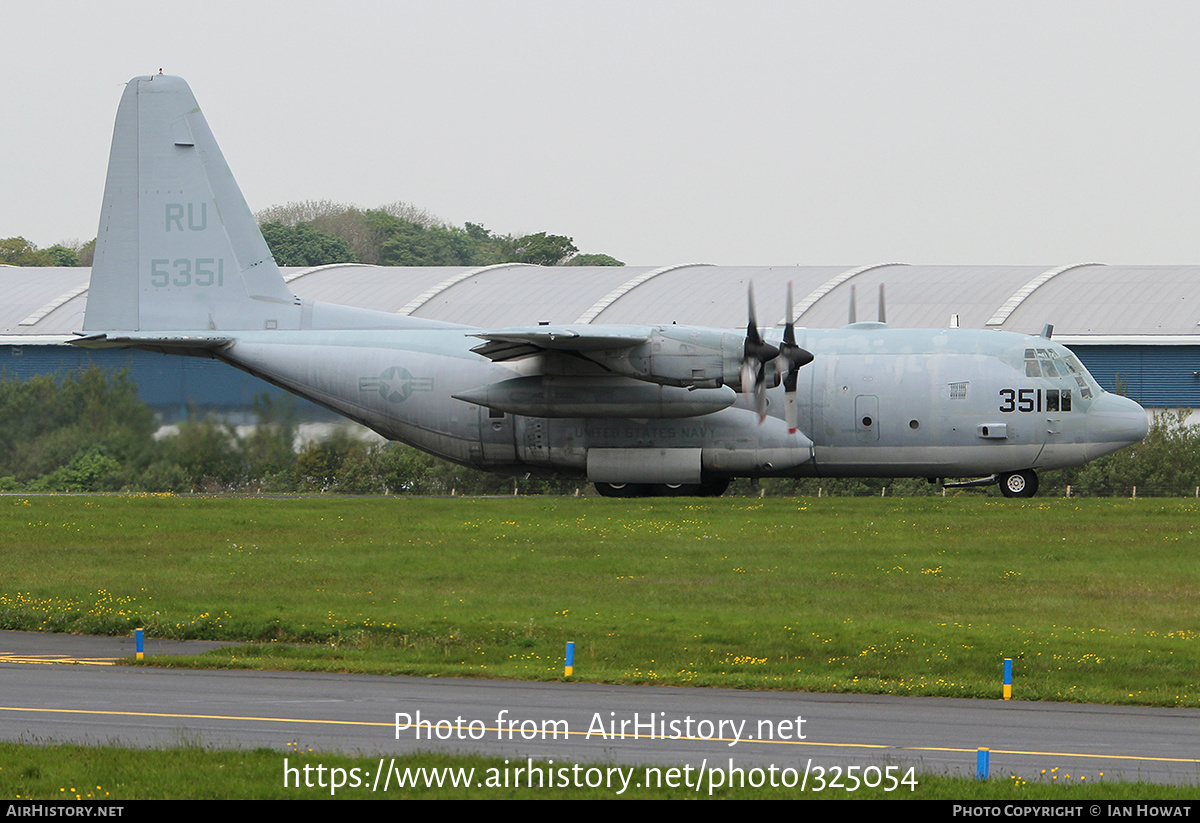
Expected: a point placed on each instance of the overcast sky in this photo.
(725, 132)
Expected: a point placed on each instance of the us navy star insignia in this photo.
(395, 384)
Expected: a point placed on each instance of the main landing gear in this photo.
(711, 488)
(1019, 484)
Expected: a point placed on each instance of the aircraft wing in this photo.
(524, 341)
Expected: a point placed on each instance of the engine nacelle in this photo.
(597, 396)
(685, 356)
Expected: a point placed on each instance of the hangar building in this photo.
(1136, 328)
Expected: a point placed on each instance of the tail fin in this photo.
(178, 248)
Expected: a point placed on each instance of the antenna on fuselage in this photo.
(1047, 330)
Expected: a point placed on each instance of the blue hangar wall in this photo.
(1155, 376)
(173, 386)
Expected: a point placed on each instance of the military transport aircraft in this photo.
(181, 267)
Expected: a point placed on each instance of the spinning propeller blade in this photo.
(757, 353)
(791, 359)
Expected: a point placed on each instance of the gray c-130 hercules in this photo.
(181, 267)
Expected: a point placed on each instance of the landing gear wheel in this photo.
(709, 488)
(1019, 484)
(713, 488)
(620, 489)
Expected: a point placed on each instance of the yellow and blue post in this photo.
(1008, 678)
(140, 646)
(569, 669)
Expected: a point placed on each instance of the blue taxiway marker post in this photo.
(1008, 678)
(569, 669)
(140, 643)
(982, 763)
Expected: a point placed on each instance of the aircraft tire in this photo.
(714, 488)
(621, 489)
(1019, 484)
(711, 488)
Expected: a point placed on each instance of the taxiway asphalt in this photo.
(710, 728)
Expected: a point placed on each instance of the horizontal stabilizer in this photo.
(175, 344)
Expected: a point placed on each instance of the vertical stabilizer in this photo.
(178, 248)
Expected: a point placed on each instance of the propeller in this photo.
(791, 359)
(756, 354)
(788, 358)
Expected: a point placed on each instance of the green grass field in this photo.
(110, 774)
(1096, 600)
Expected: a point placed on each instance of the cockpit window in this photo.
(1056, 362)
(1084, 380)
(1058, 400)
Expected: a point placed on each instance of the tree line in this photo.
(316, 233)
(313, 233)
(87, 431)
(17, 251)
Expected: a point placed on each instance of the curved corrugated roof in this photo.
(1080, 300)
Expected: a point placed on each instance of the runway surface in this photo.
(573, 722)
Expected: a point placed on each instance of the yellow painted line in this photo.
(197, 716)
(48, 658)
(515, 734)
(1059, 754)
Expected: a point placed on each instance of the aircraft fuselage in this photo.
(875, 402)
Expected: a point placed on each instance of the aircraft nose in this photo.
(1117, 420)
